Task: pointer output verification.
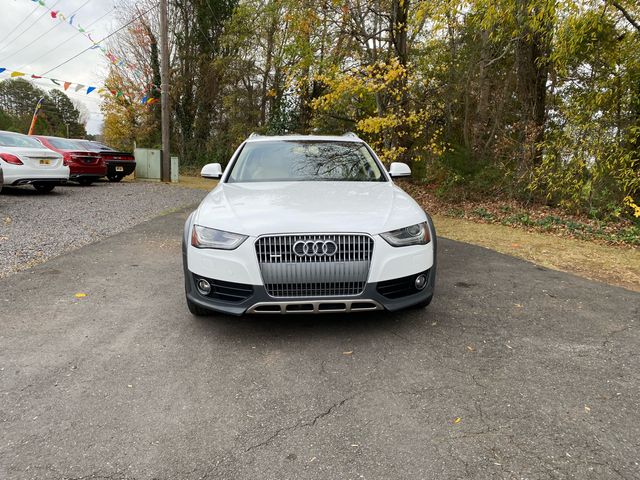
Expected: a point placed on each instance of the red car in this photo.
(85, 166)
(119, 164)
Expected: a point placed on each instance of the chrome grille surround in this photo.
(286, 273)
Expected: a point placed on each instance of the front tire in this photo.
(114, 177)
(196, 309)
(44, 187)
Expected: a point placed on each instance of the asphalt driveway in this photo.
(514, 371)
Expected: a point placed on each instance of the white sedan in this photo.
(25, 161)
(307, 224)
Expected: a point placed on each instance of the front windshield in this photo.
(18, 140)
(289, 160)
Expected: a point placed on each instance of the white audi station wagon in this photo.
(307, 224)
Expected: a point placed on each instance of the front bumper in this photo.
(259, 301)
(241, 270)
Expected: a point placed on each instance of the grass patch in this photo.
(616, 265)
(197, 182)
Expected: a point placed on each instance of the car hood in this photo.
(292, 207)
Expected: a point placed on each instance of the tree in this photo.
(58, 115)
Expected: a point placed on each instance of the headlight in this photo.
(203, 237)
(413, 235)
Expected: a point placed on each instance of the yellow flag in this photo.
(17, 74)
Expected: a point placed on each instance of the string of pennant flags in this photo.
(64, 84)
(113, 59)
(78, 87)
(59, 15)
(150, 98)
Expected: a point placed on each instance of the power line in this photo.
(45, 33)
(100, 41)
(19, 24)
(64, 41)
(35, 21)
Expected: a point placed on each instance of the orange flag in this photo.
(66, 85)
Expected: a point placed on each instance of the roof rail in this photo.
(254, 134)
(350, 134)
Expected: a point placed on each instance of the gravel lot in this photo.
(35, 227)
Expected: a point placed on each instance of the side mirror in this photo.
(398, 169)
(211, 170)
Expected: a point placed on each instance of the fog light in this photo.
(421, 282)
(204, 287)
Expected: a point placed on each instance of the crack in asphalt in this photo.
(298, 425)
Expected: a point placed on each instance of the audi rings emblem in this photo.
(315, 248)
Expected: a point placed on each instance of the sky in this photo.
(23, 51)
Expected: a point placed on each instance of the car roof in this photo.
(297, 138)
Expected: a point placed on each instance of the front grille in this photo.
(331, 265)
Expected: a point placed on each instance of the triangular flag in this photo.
(17, 74)
(54, 14)
(102, 90)
(2, 69)
(90, 89)
(35, 76)
(144, 100)
(79, 87)
(67, 85)
(71, 19)
(55, 81)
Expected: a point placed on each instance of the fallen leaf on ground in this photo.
(457, 420)
(80, 295)
(348, 353)
(470, 348)
(587, 409)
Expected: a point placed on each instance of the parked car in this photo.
(26, 161)
(86, 166)
(119, 164)
(1, 177)
(307, 224)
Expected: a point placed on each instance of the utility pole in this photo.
(165, 165)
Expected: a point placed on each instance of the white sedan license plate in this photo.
(119, 169)
(45, 161)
